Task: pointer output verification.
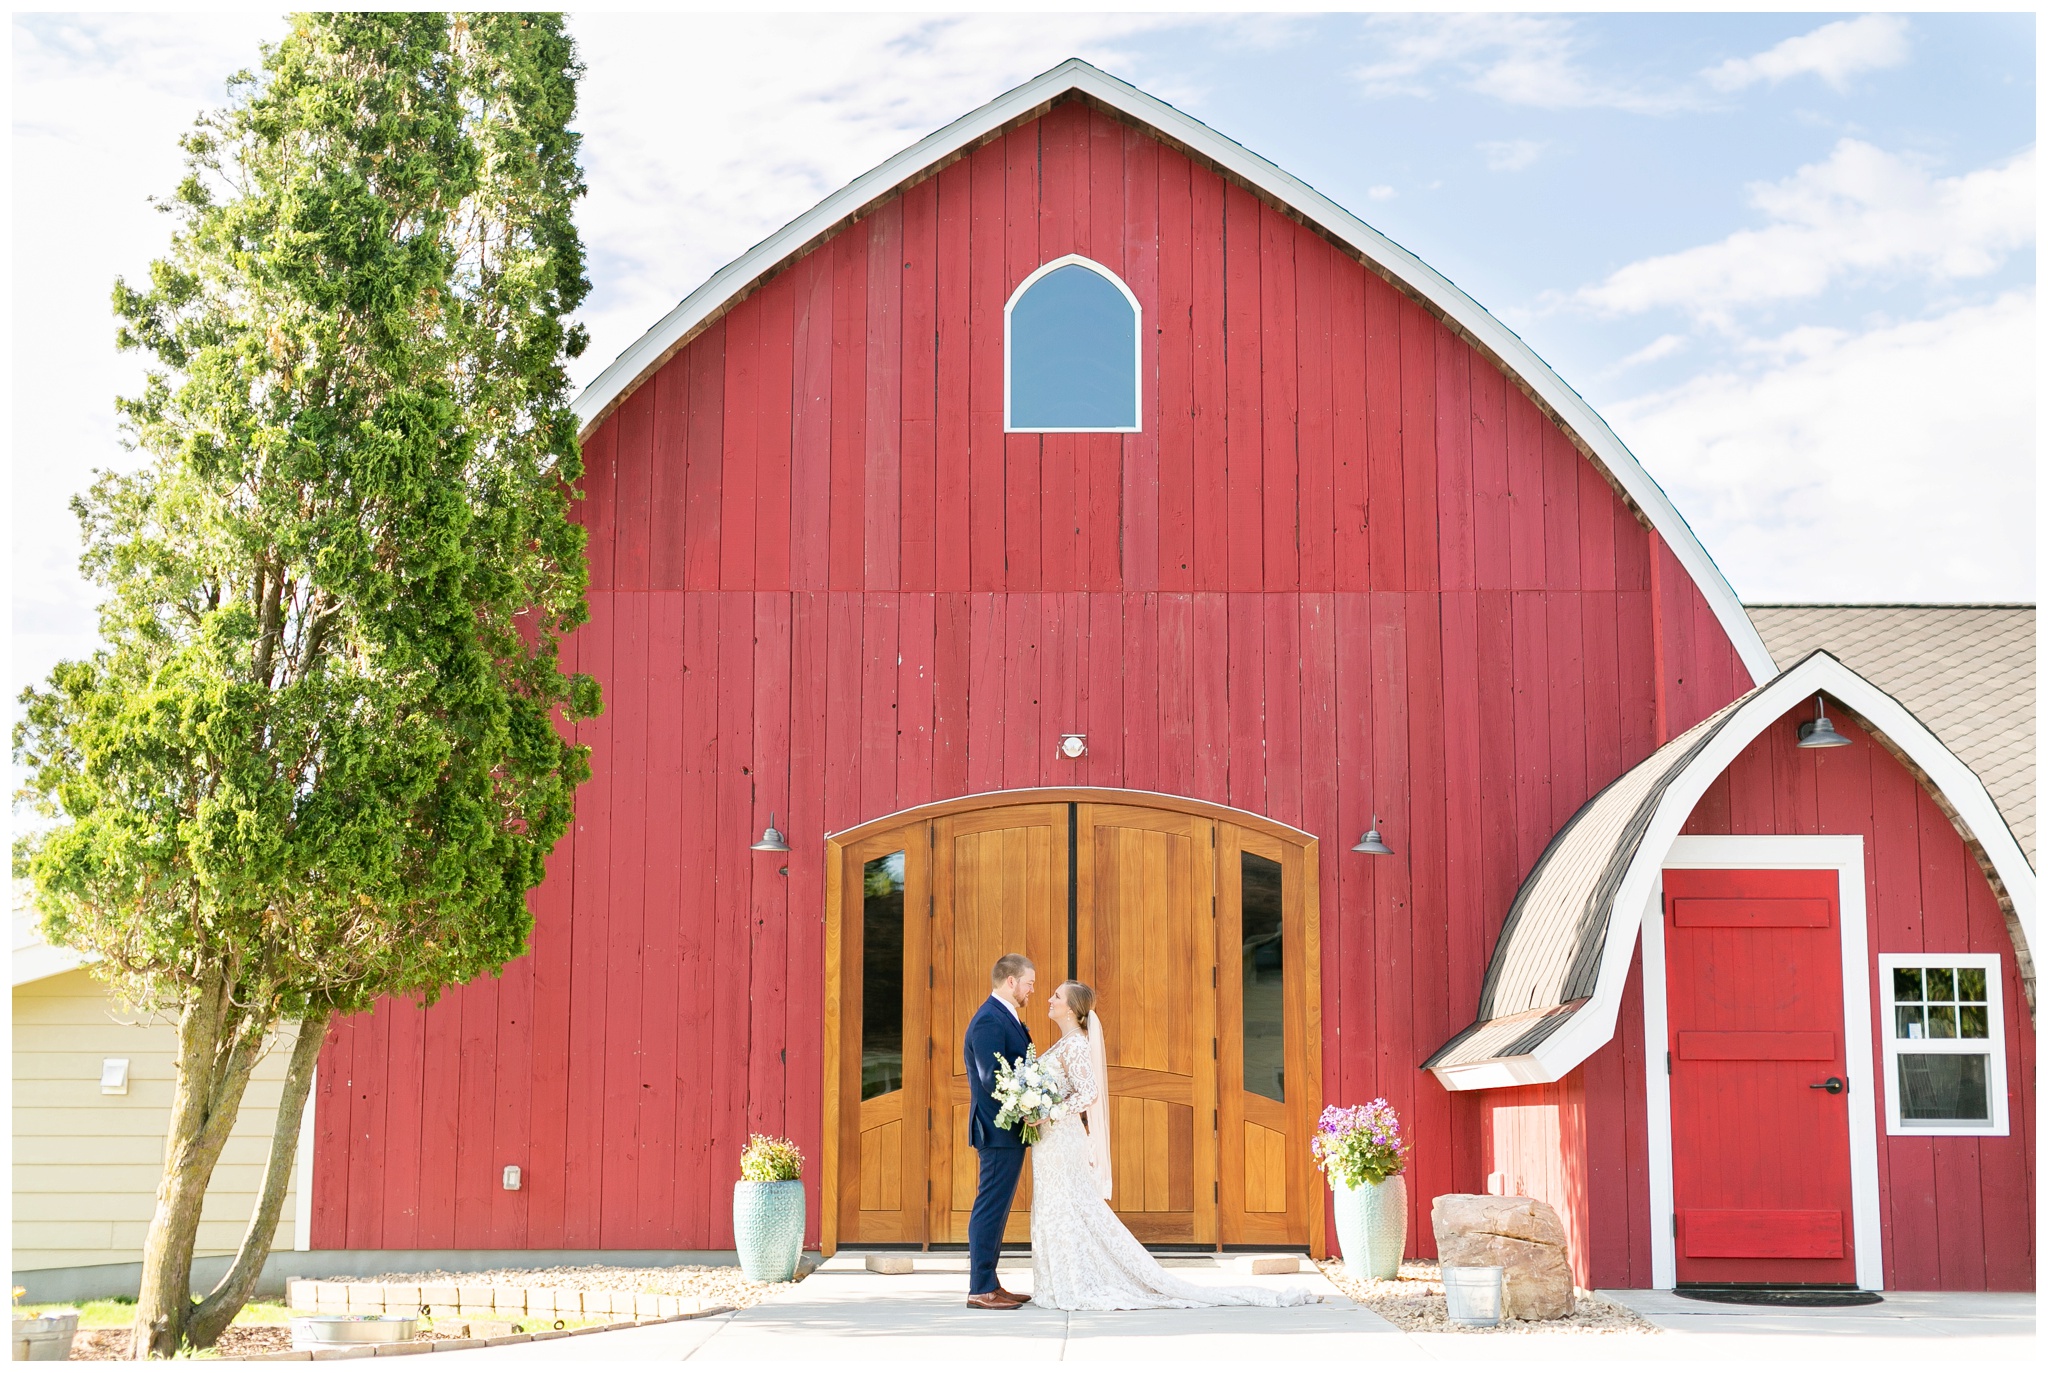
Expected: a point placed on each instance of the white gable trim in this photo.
(1593, 1026)
(739, 276)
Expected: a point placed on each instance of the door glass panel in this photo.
(1943, 1087)
(1265, 1047)
(1906, 984)
(881, 989)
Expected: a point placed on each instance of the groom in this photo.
(997, 1028)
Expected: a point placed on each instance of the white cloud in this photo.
(1833, 52)
(1892, 464)
(1381, 192)
(1656, 350)
(1863, 213)
(703, 134)
(1512, 155)
(1522, 59)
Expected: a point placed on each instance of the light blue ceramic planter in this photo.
(768, 1228)
(1372, 1226)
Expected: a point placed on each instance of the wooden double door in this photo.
(1196, 931)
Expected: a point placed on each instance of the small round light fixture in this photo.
(1819, 732)
(771, 840)
(1073, 745)
(1372, 843)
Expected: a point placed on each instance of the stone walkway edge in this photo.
(366, 1351)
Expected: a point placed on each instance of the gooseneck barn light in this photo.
(1819, 732)
(771, 840)
(1372, 843)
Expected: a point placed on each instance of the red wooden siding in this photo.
(1958, 1210)
(1535, 1146)
(1346, 568)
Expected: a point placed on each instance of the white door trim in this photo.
(1844, 854)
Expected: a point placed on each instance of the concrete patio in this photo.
(844, 1314)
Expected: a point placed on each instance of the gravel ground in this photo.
(1415, 1301)
(725, 1286)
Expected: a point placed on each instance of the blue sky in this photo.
(1789, 257)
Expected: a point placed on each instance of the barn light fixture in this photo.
(1372, 843)
(1819, 732)
(771, 840)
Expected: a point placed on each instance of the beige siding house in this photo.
(87, 1153)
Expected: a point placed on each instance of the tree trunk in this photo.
(215, 1057)
(213, 1315)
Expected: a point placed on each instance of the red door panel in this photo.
(1759, 1153)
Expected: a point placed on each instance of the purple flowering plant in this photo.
(1357, 1144)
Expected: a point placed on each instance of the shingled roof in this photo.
(1554, 985)
(1966, 670)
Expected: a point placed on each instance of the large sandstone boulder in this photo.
(1520, 1234)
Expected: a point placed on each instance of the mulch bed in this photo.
(111, 1342)
(1415, 1301)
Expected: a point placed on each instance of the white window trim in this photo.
(1994, 991)
(1844, 854)
(1137, 345)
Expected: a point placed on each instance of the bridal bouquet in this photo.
(1027, 1092)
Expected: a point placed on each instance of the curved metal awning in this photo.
(1554, 984)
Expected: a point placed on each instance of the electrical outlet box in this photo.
(113, 1077)
(511, 1177)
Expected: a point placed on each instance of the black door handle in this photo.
(1834, 1086)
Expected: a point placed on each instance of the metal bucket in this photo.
(1473, 1294)
(47, 1336)
(341, 1332)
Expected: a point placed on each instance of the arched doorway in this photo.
(1198, 927)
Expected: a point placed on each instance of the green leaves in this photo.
(317, 750)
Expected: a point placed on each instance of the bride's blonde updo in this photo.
(1080, 1000)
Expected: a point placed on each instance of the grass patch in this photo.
(106, 1313)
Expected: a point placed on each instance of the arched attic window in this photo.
(1071, 352)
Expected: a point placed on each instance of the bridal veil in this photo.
(1097, 1116)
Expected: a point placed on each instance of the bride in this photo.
(1082, 1256)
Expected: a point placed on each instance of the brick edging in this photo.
(503, 1303)
(365, 1351)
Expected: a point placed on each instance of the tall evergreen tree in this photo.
(316, 760)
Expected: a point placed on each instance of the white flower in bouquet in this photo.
(1027, 1095)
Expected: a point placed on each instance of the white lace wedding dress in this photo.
(1082, 1257)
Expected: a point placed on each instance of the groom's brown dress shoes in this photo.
(1017, 1297)
(997, 1300)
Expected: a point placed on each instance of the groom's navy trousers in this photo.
(994, 1030)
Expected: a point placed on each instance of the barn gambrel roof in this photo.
(1077, 79)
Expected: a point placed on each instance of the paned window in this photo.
(881, 983)
(1264, 969)
(1944, 1044)
(1070, 343)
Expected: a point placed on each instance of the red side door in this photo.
(1759, 1153)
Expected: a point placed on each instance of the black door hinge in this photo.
(1674, 1223)
(1212, 977)
(1212, 1049)
(1215, 1122)
(1215, 1191)
(1667, 1063)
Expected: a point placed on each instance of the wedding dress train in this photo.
(1082, 1257)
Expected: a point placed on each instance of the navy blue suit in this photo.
(994, 1030)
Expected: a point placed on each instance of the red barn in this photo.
(1075, 534)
